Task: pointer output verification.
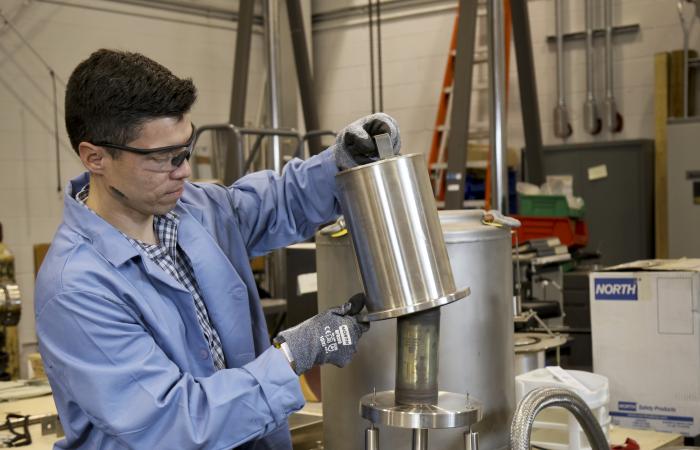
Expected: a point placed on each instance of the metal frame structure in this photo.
(303, 68)
(461, 103)
(459, 119)
(529, 107)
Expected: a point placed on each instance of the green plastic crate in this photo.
(546, 206)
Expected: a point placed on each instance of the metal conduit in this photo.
(387, 6)
(272, 40)
(179, 6)
(391, 10)
(497, 97)
(541, 398)
(228, 17)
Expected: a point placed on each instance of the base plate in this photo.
(452, 411)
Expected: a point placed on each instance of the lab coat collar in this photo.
(107, 240)
(219, 282)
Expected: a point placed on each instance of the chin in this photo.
(162, 210)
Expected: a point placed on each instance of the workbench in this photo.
(40, 409)
(305, 425)
(646, 439)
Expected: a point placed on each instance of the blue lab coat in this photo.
(119, 337)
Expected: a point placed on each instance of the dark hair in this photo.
(113, 93)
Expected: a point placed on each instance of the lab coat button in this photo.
(204, 353)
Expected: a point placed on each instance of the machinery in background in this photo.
(10, 303)
(553, 326)
(577, 352)
(537, 267)
(547, 253)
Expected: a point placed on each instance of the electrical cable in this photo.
(55, 129)
(54, 78)
(29, 46)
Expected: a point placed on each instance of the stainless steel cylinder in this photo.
(476, 338)
(390, 211)
(371, 438)
(417, 352)
(526, 362)
(471, 440)
(420, 439)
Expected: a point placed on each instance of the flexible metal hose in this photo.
(541, 398)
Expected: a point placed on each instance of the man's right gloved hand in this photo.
(329, 337)
(355, 143)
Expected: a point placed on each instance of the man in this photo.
(148, 318)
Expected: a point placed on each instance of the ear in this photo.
(93, 157)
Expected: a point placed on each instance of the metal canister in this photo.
(476, 338)
(391, 214)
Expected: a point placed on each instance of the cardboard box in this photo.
(645, 330)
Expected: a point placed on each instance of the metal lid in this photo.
(368, 166)
(467, 226)
(460, 215)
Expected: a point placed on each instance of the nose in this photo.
(183, 171)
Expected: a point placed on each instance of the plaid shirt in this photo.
(170, 257)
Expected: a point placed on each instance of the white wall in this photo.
(64, 34)
(415, 52)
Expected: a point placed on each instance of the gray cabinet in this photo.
(683, 178)
(616, 180)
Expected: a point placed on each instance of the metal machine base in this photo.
(452, 411)
(414, 308)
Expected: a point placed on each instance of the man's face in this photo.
(133, 180)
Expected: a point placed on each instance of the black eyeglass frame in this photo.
(176, 161)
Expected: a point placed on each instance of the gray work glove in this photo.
(355, 145)
(329, 337)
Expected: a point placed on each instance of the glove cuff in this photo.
(281, 344)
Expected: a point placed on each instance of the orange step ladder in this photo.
(437, 161)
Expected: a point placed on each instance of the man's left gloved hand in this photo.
(329, 337)
(355, 144)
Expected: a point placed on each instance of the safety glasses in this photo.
(160, 159)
